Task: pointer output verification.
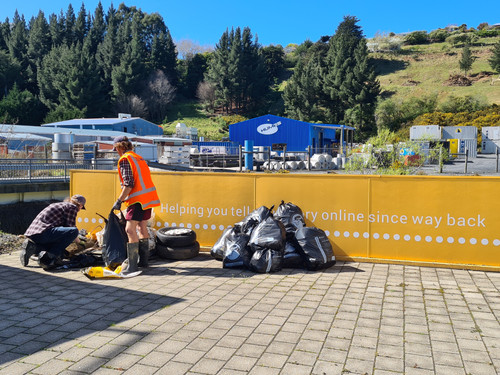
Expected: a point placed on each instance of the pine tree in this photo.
(56, 27)
(164, 55)
(495, 58)
(350, 81)
(81, 28)
(97, 29)
(69, 26)
(9, 72)
(466, 60)
(218, 71)
(109, 51)
(304, 92)
(127, 77)
(39, 45)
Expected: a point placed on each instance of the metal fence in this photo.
(30, 170)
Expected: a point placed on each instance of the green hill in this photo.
(426, 69)
(418, 70)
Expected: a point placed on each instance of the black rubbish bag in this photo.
(266, 260)
(254, 218)
(217, 251)
(315, 248)
(291, 256)
(114, 247)
(236, 253)
(291, 216)
(269, 234)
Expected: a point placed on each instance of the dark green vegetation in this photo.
(124, 60)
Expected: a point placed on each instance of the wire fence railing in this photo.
(30, 170)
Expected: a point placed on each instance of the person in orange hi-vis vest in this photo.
(139, 193)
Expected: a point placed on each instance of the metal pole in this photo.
(466, 159)
(284, 157)
(441, 159)
(309, 157)
(65, 176)
(496, 154)
(29, 170)
(239, 158)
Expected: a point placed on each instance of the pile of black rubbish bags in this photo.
(265, 242)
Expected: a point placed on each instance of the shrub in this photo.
(462, 38)
(438, 35)
(487, 33)
(417, 37)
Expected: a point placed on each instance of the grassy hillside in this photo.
(425, 69)
(419, 71)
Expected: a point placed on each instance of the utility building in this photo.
(297, 135)
(124, 123)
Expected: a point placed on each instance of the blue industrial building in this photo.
(124, 123)
(270, 130)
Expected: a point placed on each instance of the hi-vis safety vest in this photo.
(144, 191)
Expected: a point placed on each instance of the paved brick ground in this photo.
(194, 317)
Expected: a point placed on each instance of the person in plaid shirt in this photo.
(52, 231)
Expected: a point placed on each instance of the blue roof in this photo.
(93, 121)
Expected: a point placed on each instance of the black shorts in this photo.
(136, 213)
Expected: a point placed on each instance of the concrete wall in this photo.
(445, 221)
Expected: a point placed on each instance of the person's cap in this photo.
(80, 199)
(118, 139)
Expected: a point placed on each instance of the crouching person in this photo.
(52, 231)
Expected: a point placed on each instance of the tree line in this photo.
(84, 65)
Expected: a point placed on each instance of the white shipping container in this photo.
(491, 132)
(459, 132)
(490, 146)
(425, 132)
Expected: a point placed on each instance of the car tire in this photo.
(178, 253)
(176, 237)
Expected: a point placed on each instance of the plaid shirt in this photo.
(61, 214)
(126, 173)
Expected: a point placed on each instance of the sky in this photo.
(284, 21)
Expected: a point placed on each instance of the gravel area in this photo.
(10, 242)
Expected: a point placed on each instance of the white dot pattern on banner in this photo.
(346, 234)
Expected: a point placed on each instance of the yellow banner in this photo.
(444, 220)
